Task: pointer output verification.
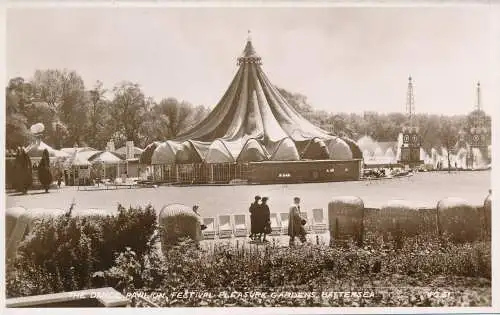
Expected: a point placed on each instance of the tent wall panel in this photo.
(285, 151)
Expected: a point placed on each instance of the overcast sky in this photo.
(342, 59)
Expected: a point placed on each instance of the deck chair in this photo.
(209, 232)
(240, 225)
(225, 228)
(275, 224)
(319, 224)
(308, 226)
(284, 222)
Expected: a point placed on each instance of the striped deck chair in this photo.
(225, 227)
(275, 224)
(209, 232)
(240, 225)
(284, 222)
(319, 223)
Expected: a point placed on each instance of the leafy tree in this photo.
(98, 117)
(16, 130)
(128, 110)
(44, 174)
(296, 100)
(175, 114)
(63, 92)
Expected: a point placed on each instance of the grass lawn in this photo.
(424, 189)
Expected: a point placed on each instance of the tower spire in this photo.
(410, 101)
(249, 55)
(478, 91)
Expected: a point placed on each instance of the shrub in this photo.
(346, 216)
(70, 251)
(176, 222)
(19, 222)
(133, 227)
(399, 219)
(23, 177)
(459, 219)
(44, 173)
(486, 216)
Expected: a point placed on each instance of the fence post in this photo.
(211, 179)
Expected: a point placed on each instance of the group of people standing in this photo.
(260, 220)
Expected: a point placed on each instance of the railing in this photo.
(200, 173)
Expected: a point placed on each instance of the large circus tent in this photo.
(251, 123)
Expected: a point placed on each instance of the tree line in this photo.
(91, 116)
(74, 114)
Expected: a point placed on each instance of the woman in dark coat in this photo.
(265, 222)
(253, 217)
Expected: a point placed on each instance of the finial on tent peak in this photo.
(249, 37)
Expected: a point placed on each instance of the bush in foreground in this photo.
(419, 264)
(67, 253)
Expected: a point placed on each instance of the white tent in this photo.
(35, 151)
(253, 151)
(106, 158)
(339, 149)
(165, 152)
(218, 152)
(286, 151)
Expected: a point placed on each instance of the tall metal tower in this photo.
(478, 91)
(410, 148)
(410, 102)
(478, 131)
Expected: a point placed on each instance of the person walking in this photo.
(296, 223)
(253, 215)
(265, 215)
(197, 213)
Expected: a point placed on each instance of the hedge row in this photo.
(454, 218)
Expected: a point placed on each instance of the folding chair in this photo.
(225, 228)
(319, 224)
(275, 224)
(284, 222)
(209, 232)
(240, 225)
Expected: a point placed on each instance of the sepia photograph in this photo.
(233, 156)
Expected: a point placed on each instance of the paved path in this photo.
(424, 189)
(278, 241)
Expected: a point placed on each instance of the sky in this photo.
(343, 59)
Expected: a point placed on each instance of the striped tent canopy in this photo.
(254, 122)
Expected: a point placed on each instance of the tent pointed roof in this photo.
(249, 51)
(253, 108)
